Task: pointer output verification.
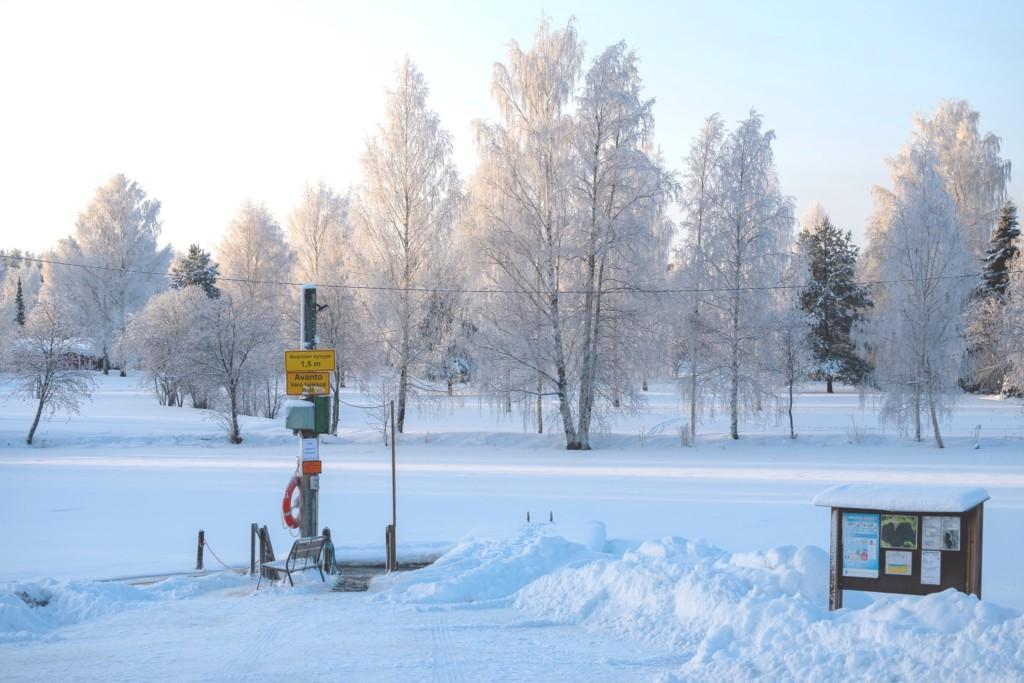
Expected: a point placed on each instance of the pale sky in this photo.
(207, 104)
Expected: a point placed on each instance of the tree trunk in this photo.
(734, 371)
(828, 384)
(917, 412)
(234, 435)
(792, 433)
(935, 425)
(35, 421)
(403, 388)
(540, 404)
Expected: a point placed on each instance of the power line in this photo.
(463, 290)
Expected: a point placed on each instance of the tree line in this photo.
(554, 280)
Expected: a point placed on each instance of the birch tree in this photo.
(116, 244)
(404, 210)
(525, 215)
(917, 331)
(320, 233)
(42, 363)
(745, 250)
(621, 191)
(699, 202)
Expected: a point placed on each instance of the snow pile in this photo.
(728, 616)
(759, 615)
(490, 571)
(30, 610)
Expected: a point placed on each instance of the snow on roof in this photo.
(901, 498)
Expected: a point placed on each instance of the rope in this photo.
(207, 545)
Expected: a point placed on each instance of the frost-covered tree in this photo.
(232, 350)
(699, 202)
(1003, 248)
(916, 331)
(404, 211)
(19, 305)
(833, 299)
(793, 354)
(43, 363)
(320, 233)
(163, 338)
(1012, 332)
(974, 174)
(621, 191)
(746, 247)
(196, 268)
(254, 259)
(119, 263)
(988, 364)
(254, 256)
(524, 217)
(19, 273)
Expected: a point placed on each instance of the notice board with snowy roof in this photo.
(904, 539)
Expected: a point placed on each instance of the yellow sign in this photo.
(317, 360)
(308, 383)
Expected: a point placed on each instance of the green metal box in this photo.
(322, 414)
(299, 416)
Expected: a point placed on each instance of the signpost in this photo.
(909, 540)
(308, 372)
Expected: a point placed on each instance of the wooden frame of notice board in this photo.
(907, 552)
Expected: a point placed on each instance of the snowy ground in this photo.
(123, 489)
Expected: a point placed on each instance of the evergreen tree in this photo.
(834, 301)
(1002, 250)
(196, 268)
(19, 306)
(987, 365)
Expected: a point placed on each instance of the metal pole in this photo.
(394, 503)
(199, 549)
(309, 483)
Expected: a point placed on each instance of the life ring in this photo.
(292, 511)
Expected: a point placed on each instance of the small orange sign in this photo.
(311, 466)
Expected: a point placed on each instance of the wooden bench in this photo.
(305, 554)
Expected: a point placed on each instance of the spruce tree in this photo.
(196, 268)
(1001, 252)
(19, 306)
(834, 301)
(986, 364)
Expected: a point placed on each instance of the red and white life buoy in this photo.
(291, 506)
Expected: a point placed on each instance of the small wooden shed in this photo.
(913, 540)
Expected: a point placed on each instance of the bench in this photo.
(305, 554)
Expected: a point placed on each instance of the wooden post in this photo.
(394, 499)
(972, 535)
(199, 550)
(253, 532)
(835, 591)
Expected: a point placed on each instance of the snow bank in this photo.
(903, 498)
(492, 570)
(30, 610)
(728, 616)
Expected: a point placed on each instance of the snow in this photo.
(902, 498)
(663, 563)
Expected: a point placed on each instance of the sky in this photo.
(208, 104)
